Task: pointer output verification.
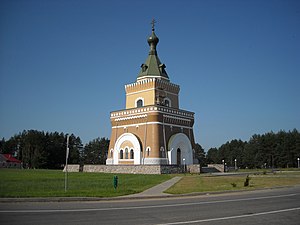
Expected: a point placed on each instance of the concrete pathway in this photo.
(157, 190)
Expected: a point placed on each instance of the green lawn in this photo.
(50, 183)
(200, 183)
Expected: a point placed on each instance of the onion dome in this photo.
(153, 68)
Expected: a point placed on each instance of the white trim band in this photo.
(150, 123)
(131, 117)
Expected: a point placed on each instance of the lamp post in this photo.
(223, 161)
(183, 164)
(298, 162)
(235, 167)
(66, 171)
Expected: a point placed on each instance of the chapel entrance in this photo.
(178, 156)
(180, 150)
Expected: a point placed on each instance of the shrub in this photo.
(246, 183)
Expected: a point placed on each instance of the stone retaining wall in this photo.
(136, 169)
(72, 168)
(196, 168)
(219, 167)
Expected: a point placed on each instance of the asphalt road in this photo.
(276, 206)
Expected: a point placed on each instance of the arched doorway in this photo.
(182, 142)
(178, 156)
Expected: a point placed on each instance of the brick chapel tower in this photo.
(152, 129)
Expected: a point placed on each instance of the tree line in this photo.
(39, 149)
(270, 150)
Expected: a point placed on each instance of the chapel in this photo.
(152, 129)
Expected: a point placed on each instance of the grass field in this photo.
(196, 183)
(50, 183)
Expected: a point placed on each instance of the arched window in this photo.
(131, 154)
(139, 103)
(121, 154)
(167, 102)
(126, 153)
(148, 151)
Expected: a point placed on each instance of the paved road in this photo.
(276, 206)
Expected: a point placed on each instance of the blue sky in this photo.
(64, 63)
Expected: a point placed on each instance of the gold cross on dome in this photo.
(153, 24)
